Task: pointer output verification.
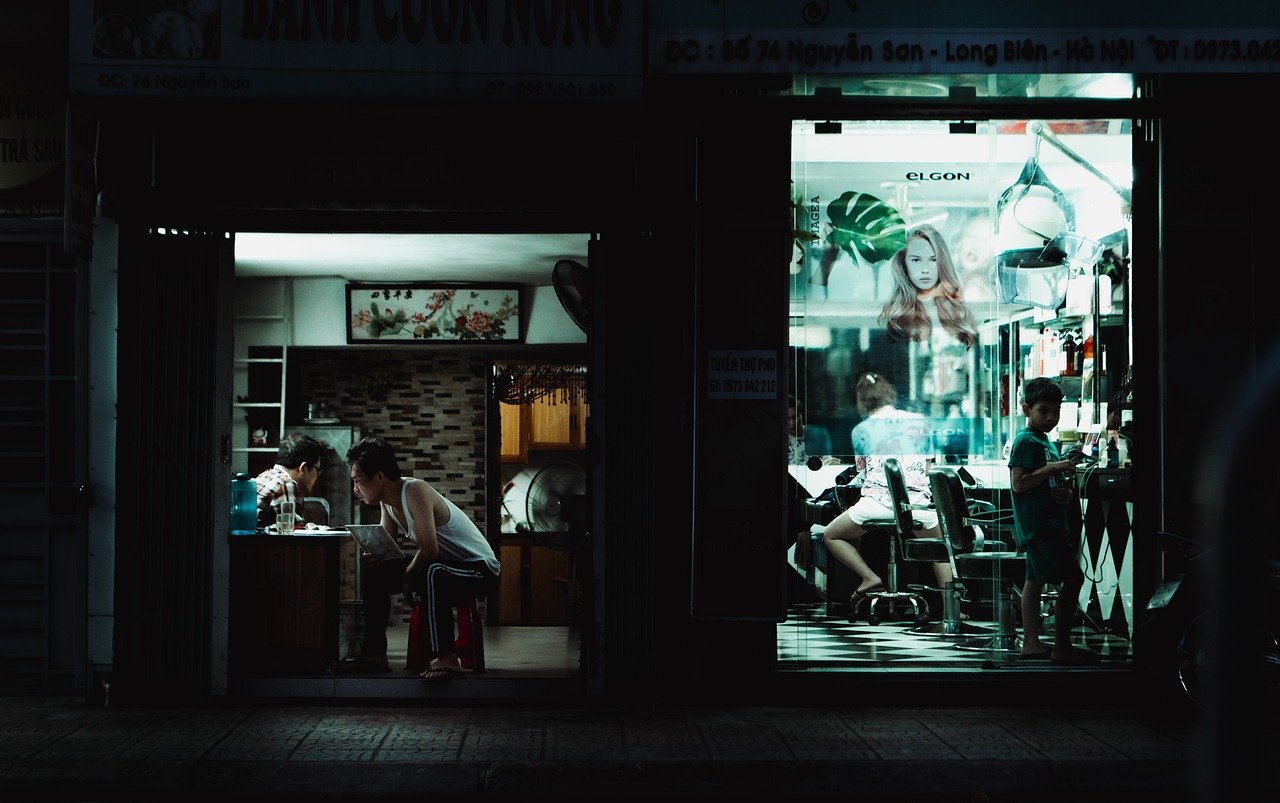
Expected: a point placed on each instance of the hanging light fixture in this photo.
(524, 381)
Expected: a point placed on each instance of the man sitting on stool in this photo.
(453, 560)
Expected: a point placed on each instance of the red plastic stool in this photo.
(469, 645)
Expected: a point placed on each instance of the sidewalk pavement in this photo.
(59, 750)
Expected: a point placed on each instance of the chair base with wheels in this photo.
(1003, 636)
(890, 596)
(972, 561)
(918, 605)
(951, 625)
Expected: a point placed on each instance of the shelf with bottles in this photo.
(1063, 321)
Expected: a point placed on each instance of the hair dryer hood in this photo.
(1031, 219)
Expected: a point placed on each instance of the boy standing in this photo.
(1041, 484)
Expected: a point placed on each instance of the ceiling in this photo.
(525, 259)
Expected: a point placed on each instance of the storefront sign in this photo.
(919, 37)
(910, 51)
(742, 374)
(499, 50)
(32, 144)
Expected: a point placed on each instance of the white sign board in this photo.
(742, 374)
(495, 50)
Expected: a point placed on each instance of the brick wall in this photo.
(433, 413)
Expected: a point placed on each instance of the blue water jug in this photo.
(244, 504)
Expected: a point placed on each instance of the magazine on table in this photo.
(374, 539)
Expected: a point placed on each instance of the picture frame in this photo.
(433, 312)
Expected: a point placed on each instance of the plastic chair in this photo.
(469, 645)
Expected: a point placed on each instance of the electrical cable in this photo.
(1089, 471)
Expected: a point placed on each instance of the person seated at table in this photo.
(295, 474)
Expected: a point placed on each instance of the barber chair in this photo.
(973, 560)
(928, 551)
(901, 528)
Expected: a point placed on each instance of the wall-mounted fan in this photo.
(556, 499)
(570, 280)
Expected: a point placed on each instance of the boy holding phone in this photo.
(1041, 482)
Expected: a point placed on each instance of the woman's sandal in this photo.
(859, 596)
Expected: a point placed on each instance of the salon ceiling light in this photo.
(809, 337)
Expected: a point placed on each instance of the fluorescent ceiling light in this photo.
(809, 337)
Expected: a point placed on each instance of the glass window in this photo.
(950, 264)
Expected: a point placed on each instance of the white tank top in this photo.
(459, 538)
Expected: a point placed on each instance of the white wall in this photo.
(319, 315)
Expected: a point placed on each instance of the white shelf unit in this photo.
(261, 341)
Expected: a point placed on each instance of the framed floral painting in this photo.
(432, 313)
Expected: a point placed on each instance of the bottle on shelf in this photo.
(1069, 352)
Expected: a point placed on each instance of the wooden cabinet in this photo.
(542, 425)
(515, 429)
(284, 604)
(558, 424)
(534, 584)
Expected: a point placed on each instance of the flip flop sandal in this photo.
(359, 666)
(443, 673)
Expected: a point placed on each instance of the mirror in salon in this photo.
(959, 265)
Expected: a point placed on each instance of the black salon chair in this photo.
(928, 551)
(902, 527)
(973, 558)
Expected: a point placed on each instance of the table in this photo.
(284, 603)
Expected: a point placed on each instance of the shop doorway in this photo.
(1027, 225)
(348, 334)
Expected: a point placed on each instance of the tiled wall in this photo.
(433, 413)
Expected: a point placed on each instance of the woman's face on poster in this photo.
(922, 264)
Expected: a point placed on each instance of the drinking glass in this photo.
(285, 518)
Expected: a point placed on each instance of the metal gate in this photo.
(172, 483)
(43, 460)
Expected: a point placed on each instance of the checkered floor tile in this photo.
(811, 638)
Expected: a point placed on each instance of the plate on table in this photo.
(316, 421)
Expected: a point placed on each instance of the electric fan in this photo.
(570, 281)
(556, 499)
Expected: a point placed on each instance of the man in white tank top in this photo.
(453, 560)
